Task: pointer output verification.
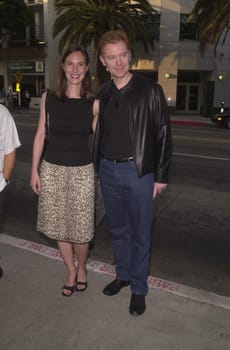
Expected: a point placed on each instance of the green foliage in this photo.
(14, 16)
(212, 20)
(85, 20)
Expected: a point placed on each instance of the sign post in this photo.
(18, 77)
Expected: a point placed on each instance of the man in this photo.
(132, 151)
(9, 141)
(27, 99)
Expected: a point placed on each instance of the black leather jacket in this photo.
(149, 126)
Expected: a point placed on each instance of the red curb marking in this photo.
(187, 122)
(95, 265)
(104, 268)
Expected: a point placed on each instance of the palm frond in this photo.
(85, 21)
(211, 19)
(94, 17)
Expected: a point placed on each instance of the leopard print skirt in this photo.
(66, 202)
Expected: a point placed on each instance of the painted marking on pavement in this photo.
(200, 156)
(107, 269)
(189, 122)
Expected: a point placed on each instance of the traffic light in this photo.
(18, 87)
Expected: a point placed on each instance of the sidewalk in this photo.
(35, 316)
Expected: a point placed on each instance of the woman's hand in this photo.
(35, 182)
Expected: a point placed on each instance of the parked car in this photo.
(222, 119)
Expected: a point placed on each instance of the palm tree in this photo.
(212, 21)
(84, 21)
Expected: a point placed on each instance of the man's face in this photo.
(116, 57)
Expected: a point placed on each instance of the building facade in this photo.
(192, 82)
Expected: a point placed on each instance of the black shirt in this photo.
(116, 142)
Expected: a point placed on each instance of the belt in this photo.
(119, 160)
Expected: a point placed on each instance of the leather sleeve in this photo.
(163, 136)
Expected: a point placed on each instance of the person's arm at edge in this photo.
(12, 143)
(9, 161)
(38, 145)
(95, 114)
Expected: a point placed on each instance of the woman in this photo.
(66, 182)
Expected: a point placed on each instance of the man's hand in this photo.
(158, 188)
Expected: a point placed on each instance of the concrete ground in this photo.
(34, 314)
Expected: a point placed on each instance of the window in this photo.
(188, 76)
(187, 29)
(33, 2)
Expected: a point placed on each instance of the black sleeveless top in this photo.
(69, 127)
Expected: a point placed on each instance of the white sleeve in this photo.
(11, 141)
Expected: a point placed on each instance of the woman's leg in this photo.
(66, 250)
(81, 251)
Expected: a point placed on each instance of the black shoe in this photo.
(137, 304)
(84, 286)
(69, 289)
(1, 272)
(115, 286)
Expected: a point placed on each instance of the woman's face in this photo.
(75, 68)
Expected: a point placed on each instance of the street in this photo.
(191, 242)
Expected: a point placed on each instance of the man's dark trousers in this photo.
(3, 204)
(129, 209)
(3, 195)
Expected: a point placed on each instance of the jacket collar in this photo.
(125, 88)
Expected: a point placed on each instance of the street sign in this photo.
(18, 76)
